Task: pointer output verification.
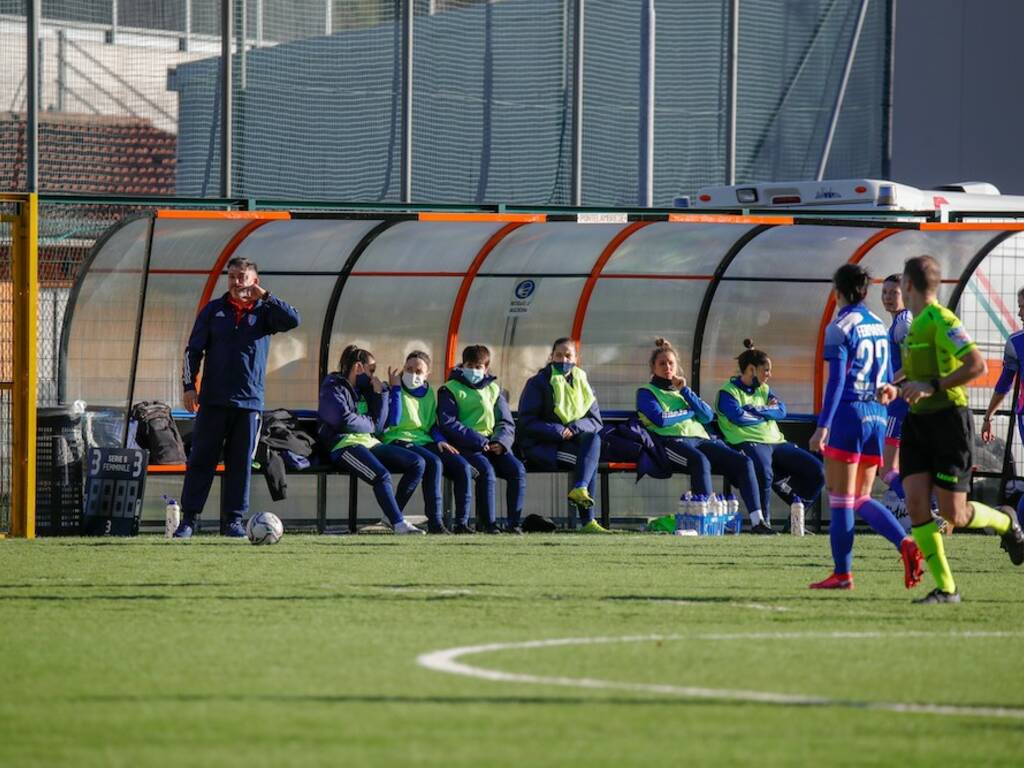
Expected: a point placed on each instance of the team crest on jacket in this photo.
(252, 319)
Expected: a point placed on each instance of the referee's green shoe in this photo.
(594, 527)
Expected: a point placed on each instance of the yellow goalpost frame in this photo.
(23, 381)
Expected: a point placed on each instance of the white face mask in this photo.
(412, 380)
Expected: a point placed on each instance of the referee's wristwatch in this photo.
(935, 386)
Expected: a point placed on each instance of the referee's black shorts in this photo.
(939, 444)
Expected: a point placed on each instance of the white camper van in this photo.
(865, 195)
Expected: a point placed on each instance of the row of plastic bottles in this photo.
(700, 505)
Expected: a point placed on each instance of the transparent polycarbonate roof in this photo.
(393, 285)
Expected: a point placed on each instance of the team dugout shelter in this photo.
(436, 281)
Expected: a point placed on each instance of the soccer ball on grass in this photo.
(264, 528)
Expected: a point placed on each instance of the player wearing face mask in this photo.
(474, 417)
(352, 408)
(560, 425)
(412, 424)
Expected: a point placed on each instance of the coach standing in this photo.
(231, 335)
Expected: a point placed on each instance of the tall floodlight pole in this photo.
(226, 33)
(577, 103)
(841, 95)
(732, 63)
(648, 36)
(32, 94)
(407, 15)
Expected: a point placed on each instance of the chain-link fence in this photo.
(465, 101)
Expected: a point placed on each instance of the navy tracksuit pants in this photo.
(787, 468)
(237, 431)
(375, 465)
(438, 465)
(490, 467)
(700, 457)
(581, 455)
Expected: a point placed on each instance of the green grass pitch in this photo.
(147, 652)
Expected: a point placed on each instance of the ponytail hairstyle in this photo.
(852, 281)
(351, 355)
(751, 356)
(662, 347)
(417, 354)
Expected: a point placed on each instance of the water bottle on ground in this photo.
(700, 505)
(172, 517)
(732, 509)
(685, 508)
(796, 517)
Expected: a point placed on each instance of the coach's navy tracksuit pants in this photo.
(237, 430)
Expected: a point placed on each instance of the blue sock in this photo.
(895, 482)
(1020, 511)
(840, 531)
(880, 519)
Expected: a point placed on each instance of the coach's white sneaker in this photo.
(406, 527)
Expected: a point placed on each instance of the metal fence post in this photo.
(407, 72)
(24, 381)
(111, 36)
(841, 95)
(185, 41)
(226, 32)
(62, 66)
(732, 87)
(32, 95)
(577, 102)
(648, 35)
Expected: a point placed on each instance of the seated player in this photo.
(560, 426)
(474, 417)
(851, 429)
(412, 424)
(675, 416)
(748, 412)
(352, 408)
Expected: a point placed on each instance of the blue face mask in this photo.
(563, 367)
(363, 381)
(473, 375)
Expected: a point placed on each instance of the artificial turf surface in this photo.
(212, 652)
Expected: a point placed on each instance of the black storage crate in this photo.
(60, 452)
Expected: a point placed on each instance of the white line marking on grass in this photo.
(447, 660)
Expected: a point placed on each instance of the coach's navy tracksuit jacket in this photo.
(232, 349)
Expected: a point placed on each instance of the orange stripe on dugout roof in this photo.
(974, 226)
(520, 217)
(174, 213)
(727, 218)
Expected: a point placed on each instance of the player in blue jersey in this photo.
(851, 428)
(892, 300)
(1012, 356)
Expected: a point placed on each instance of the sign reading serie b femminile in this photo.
(114, 488)
(523, 292)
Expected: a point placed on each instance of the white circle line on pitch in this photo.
(448, 661)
